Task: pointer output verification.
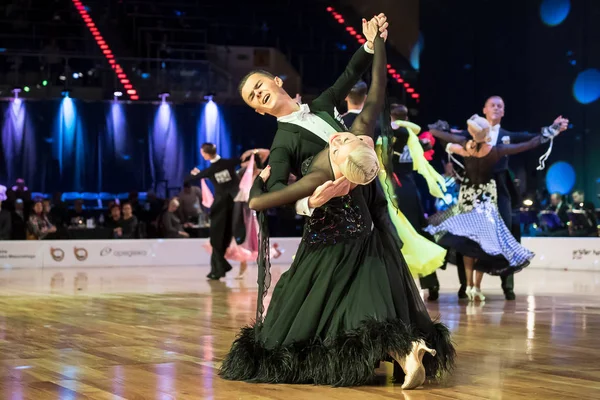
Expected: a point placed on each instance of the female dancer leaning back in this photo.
(474, 227)
(347, 301)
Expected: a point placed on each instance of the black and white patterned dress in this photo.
(474, 227)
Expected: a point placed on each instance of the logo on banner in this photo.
(80, 253)
(57, 254)
(123, 253)
(8, 254)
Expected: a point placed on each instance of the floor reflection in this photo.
(161, 333)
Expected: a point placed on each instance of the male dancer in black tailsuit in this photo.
(303, 130)
(226, 182)
(507, 193)
(407, 192)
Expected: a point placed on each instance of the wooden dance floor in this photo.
(160, 333)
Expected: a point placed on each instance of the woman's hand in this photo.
(329, 190)
(265, 173)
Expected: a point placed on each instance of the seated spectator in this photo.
(590, 226)
(557, 222)
(59, 212)
(114, 221)
(39, 227)
(5, 223)
(78, 216)
(18, 221)
(129, 222)
(190, 199)
(171, 224)
(136, 206)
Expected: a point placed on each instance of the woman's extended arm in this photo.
(447, 136)
(261, 200)
(365, 123)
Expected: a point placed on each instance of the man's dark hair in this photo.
(358, 93)
(399, 112)
(209, 148)
(115, 205)
(187, 185)
(249, 74)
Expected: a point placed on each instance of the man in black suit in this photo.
(407, 193)
(558, 225)
(507, 193)
(589, 225)
(303, 130)
(226, 182)
(19, 218)
(355, 101)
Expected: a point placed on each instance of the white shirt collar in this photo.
(214, 160)
(296, 115)
(494, 132)
(354, 111)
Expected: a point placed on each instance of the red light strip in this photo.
(104, 47)
(392, 71)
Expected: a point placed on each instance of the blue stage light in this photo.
(554, 12)
(586, 88)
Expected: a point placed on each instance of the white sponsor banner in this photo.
(565, 253)
(556, 253)
(131, 253)
(98, 253)
(20, 254)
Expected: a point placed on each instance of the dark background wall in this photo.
(525, 52)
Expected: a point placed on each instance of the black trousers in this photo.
(221, 232)
(505, 209)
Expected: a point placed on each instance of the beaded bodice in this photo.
(342, 218)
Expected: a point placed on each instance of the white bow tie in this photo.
(303, 112)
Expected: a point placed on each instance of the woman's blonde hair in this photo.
(479, 128)
(361, 166)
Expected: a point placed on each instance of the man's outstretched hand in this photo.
(329, 190)
(563, 123)
(262, 153)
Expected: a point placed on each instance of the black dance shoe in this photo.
(213, 277)
(510, 295)
(434, 294)
(462, 292)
